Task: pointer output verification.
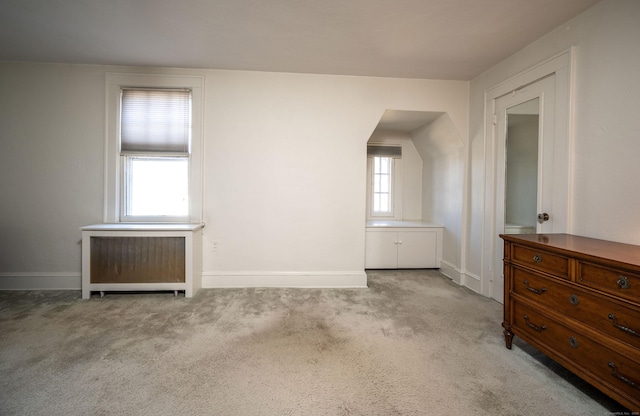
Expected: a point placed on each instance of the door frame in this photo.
(544, 90)
(562, 65)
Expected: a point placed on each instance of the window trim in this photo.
(114, 170)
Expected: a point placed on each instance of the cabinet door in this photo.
(417, 249)
(381, 250)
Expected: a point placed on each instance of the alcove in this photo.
(432, 171)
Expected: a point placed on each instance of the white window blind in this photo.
(384, 151)
(155, 120)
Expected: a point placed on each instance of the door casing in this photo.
(561, 67)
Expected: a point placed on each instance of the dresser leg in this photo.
(508, 335)
(508, 338)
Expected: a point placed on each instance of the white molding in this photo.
(210, 280)
(468, 280)
(73, 280)
(451, 271)
(320, 279)
(471, 281)
(40, 281)
(549, 66)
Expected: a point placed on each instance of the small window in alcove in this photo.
(381, 178)
(382, 186)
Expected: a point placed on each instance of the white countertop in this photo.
(401, 224)
(143, 227)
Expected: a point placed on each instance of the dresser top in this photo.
(582, 246)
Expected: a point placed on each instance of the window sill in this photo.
(144, 227)
(401, 224)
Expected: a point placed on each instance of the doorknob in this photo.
(543, 217)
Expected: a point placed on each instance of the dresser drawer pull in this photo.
(537, 258)
(534, 290)
(622, 327)
(537, 328)
(621, 377)
(573, 341)
(573, 299)
(623, 282)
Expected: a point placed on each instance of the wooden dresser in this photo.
(577, 300)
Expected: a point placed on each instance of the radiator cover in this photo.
(141, 257)
(137, 259)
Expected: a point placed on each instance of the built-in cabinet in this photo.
(403, 245)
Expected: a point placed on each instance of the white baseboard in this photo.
(451, 271)
(40, 281)
(472, 282)
(332, 279)
(327, 279)
(460, 277)
(73, 281)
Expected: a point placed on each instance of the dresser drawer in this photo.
(621, 374)
(615, 281)
(541, 260)
(616, 319)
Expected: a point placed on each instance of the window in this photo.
(153, 167)
(156, 186)
(382, 178)
(155, 130)
(382, 197)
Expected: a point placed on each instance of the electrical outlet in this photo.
(214, 245)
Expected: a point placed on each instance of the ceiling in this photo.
(432, 39)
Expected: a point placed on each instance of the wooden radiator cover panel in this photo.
(137, 259)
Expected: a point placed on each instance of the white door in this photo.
(525, 132)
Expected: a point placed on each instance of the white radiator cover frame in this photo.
(192, 234)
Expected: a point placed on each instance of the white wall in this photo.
(442, 148)
(51, 163)
(285, 169)
(605, 191)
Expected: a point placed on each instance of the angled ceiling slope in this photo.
(406, 121)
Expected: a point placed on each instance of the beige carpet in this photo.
(413, 343)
